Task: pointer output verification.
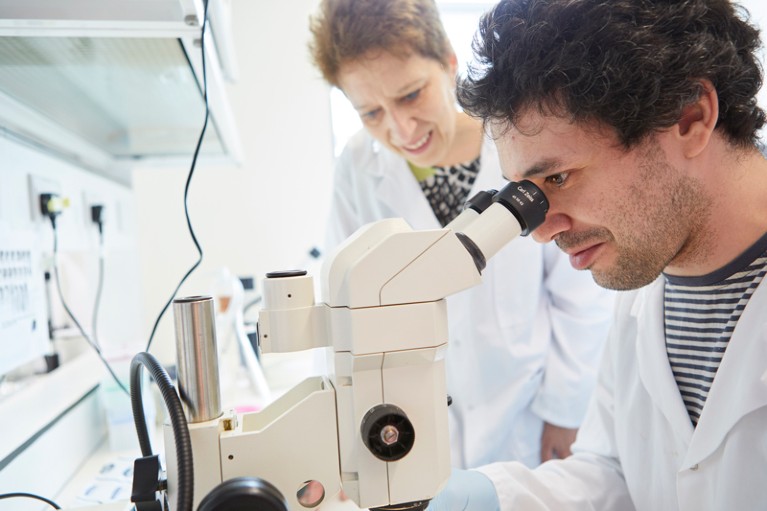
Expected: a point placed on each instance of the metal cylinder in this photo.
(197, 355)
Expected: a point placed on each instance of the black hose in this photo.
(29, 496)
(178, 422)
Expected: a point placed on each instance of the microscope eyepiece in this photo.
(526, 202)
(481, 201)
(521, 207)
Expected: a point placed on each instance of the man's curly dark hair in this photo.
(628, 64)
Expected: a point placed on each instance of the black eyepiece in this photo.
(526, 202)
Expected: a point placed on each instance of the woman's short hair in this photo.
(345, 31)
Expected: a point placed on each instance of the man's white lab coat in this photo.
(637, 448)
(524, 345)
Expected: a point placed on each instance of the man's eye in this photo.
(557, 179)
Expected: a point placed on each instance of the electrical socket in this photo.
(90, 199)
(39, 185)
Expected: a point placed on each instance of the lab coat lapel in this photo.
(740, 385)
(652, 359)
(401, 192)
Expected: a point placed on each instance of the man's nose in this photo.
(554, 224)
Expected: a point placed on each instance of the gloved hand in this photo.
(466, 490)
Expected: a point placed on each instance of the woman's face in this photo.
(406, 103)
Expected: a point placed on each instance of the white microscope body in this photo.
(377, 426)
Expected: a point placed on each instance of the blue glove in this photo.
(466, 490)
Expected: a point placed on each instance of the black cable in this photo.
(69, 312)
(29, 496)
(189, 180)
(99, 288)
(184, 460)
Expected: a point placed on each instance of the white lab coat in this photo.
(524, 345)
(637, 448)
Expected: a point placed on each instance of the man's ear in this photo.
(698, 121)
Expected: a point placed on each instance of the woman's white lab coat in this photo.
(524, 345)
(637, 448)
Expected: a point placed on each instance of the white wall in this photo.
(266, 214)
(119, 313)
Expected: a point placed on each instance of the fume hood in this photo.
(109, 83)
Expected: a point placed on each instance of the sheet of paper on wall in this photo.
(23, 317)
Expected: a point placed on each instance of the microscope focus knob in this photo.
(244, 494)
(387, 432)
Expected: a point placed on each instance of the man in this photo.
(638, 120)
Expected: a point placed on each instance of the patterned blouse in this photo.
(447, 188)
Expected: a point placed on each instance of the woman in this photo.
(523, 345)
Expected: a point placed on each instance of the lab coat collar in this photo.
(652, 360)
(740, 385)
(401, 192)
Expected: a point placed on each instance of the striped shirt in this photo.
(700, 314)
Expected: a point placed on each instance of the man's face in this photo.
(623, 214)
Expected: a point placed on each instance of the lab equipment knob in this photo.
(244, 494)
(387, 432)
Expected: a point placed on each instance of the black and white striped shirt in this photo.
(700, 315)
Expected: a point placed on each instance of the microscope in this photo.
(376, 426)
